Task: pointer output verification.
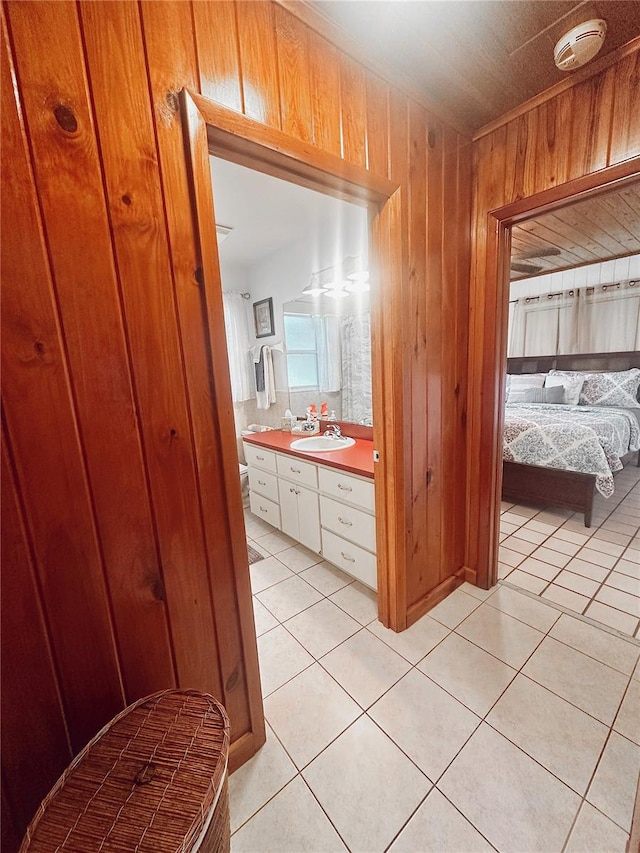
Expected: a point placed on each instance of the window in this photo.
(302, 351)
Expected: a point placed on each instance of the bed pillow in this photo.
(617, 388)
(537, 395)
(517, 381)
(571, 387)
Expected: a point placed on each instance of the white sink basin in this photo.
(321, 444)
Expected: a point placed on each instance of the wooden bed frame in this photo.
(554, 486)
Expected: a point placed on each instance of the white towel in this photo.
(265, 398)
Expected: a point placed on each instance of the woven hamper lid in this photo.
(147, 781)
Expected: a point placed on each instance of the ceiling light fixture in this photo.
(580, 44)
(313, 291)
(337, 294)
(357, 286)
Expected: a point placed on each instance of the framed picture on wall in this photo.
(263, 318)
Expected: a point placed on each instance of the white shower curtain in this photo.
(329, 352)
(237, 333)
(356, 368)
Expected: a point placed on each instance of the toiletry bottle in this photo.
(332, 416)
(324, 410)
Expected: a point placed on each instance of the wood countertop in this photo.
(357, 459)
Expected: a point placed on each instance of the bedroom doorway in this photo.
(569, 525)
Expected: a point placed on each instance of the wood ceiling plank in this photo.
(597, 239)
(293, 69)
(557, 235)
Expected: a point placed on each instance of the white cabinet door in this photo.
(289, 508)
(308, 519)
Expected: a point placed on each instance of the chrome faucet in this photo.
(333, 431)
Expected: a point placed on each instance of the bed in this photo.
(560, 455)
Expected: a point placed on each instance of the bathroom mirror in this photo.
(277, 240)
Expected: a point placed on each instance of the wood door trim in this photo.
(247, 141)
(498, 250)
(211, 128)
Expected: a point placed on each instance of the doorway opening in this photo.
(569, 516)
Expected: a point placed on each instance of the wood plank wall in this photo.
(121, 538)
(584, 129)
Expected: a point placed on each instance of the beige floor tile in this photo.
(500, 634)
(626, 567)
(509, 557)
(628, 720)
(522, 546)
(264, 621)
(292, 822)
(587, 570)
(577, 583)
(538, 568)
(525, 608)
(530, 536)
(513, 801)
(471, 675)
(605, 561)
(276, 542)
(555, 516)
(554, 558)
(613, 618)
(512, 518)
(527, 581)
(367, 787)
(322, 627)
(614, 786)
(288, 597)
(504, 571)
(365, 667)
(507, 528)
(522, 511)
(604, 647)
(298, 558)
(557, 543)
(454, 608)
(255, 527)
(623, 583)
(586, 683)
(428, 724)
(471, 589)
(558, 735)
(326, 578)
(281, 657)
(565, 597)
(632, 555)
(620, 600)
(256, 547)
(570, 536)
(266, 573)
(595, 833)
(358, 601)
(438, 827)
(596, 544)
(308, 712)
(541, 527)
(414, 643)
(253, 784)
(618, 527)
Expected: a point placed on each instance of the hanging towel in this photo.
(267, 395)
(259, 365)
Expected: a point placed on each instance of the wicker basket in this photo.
(154, 779)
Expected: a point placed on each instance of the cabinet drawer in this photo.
(298, 471)
(265, 459)
(350, 558)
(263, 483)
(347, 488)
(352, 524)
(265, 509)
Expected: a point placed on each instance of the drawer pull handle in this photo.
(345, 488)
(262, 509)
(261, 483)
(294, 491)
(295, 470)
(345, 521)
(261, 458)
(347, 557)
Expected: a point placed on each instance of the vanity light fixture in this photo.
(337, 284)
(358, 285)
(337, 293)
(313, 291)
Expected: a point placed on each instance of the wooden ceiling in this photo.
(598, 229)
(478, 60)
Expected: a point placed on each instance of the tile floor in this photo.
(497, 722)
(590, 570)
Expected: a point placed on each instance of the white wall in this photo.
(608, 272)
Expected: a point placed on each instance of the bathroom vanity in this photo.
(323, 500)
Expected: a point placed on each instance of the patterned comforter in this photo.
(590, 439)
